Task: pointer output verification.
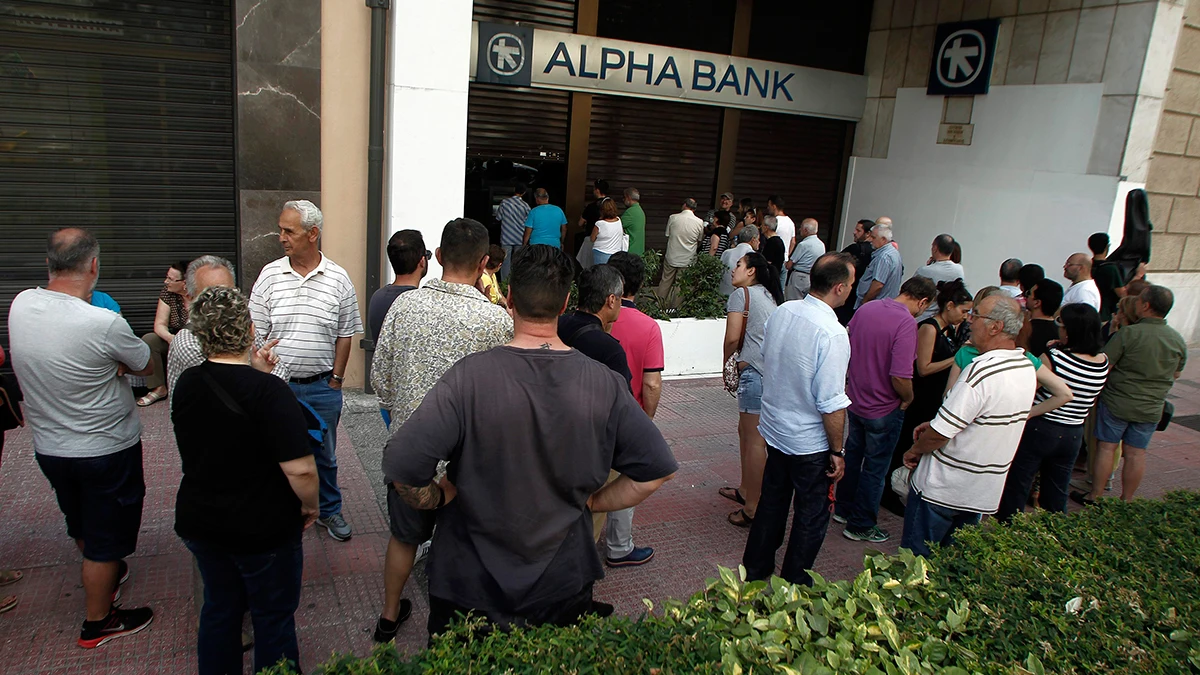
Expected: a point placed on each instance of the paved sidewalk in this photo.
(343, 590)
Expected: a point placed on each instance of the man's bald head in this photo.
(1078, 267)
(808, 227)
(883, 220)
(70, 251)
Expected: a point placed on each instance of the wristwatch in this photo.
(337, 378)
(838, 453)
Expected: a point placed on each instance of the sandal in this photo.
(8, 603)
(732, 494)
(740, 518)
(150, 399)
(10, 577)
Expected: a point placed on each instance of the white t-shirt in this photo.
(65, 352)
(786, 229)
(937, 271)
(1083, 292)
(984, 417)
(611, 237)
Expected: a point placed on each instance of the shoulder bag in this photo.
(730, 374)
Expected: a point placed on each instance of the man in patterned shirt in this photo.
(512, 212)
(427, 331)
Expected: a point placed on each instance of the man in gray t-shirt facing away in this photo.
(70, 358)
(514, 531)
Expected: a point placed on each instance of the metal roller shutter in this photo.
(118, 117)
(667, 150)
(801, 159)
(517, 123)
(549, 14)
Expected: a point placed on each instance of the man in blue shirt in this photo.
(546, 223)
(512, 213)
(886, 270)
(803, 416)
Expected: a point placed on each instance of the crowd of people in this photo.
(856, 389)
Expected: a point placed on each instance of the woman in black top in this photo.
(249, 489)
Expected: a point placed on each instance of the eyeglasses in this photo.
(972, 315)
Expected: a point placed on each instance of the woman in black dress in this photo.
(936, 344)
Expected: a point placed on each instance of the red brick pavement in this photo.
(685, 522)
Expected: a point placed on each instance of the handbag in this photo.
(730, 373)
(10, 403)
(1168, 413)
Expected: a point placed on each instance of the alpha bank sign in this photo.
(523, 56)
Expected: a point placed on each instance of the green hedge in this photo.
(1112, 589)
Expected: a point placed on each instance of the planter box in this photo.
(692, 347)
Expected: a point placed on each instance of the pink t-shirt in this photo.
(641, 338)
(883, 345)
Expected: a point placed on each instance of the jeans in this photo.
(267, 584)
(868, 455)
(600, 257)
(327, 402)
(926, 523)
(789, 480)
(1048, 447)
(510, 251)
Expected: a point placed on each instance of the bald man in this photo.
(1078, 270)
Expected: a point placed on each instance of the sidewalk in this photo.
(343, 589)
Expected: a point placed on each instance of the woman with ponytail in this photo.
(757, 293)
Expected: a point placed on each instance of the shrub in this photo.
(700, 289)
(1112, 589)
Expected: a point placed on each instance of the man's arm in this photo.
(904, 389)
(302, 477)
(652, 392)
(623, 493)
(340, 359)
(873, 291)
(835, 426)
(528, 232)
(926, 440)
(411, 455)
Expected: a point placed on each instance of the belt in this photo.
(311, 378)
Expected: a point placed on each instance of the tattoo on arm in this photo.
(425, 498)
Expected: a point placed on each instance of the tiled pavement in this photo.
(685, 522)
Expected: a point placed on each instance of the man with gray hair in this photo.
(203, 273)
(885, 271)
(1010, 278)
(634, 221)
(87, 438)
(684, 230)
(306, 303)
(961, 458)
(748, 241)
(808, 249)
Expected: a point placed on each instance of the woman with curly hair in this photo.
(249, 489)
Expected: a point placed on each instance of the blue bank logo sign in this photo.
(962, 60)
(556, 60)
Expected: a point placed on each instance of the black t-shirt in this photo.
(1108, 278)
(594, 343)
(530, 435)
(1041, 331)
(773, 251)
(233, 494)
(381, 302)
(591, 213)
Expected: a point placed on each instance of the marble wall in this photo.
(278, 118)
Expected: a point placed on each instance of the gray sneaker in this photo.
(873, 535)
(839, 519)
(337, 526)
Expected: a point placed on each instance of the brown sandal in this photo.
(732, 494)
(10, 577)
(8, 603)
(740, 518)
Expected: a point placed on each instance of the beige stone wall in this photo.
(1174, 180)
(1127, 46)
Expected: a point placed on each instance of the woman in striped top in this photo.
(1052, 436)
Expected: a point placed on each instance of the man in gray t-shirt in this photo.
(939, 268)
(70, 358)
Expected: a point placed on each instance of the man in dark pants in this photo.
(803, 418)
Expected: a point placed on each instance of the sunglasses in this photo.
(428, 254)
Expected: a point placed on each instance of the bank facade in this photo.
(179, 128)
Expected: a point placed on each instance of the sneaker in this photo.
(422, 551)
(638, 556)
(337, 526)
(119, 623)
(873, 535)
(839, 519)
(385, 631)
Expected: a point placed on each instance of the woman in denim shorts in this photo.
(755, 282)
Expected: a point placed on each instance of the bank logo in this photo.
(506, 54)
(962, 62)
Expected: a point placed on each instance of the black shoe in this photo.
(601, 609)
(1082, 498)
(118, 623)
(385, 631)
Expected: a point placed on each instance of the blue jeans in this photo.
(266, 584)
(510, 251)
(327, 402)
(926, 524)
(600, 257)
(797, 481)
(868, 455)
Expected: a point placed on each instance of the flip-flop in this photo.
(732, 494)
(8, 603)
(150, 399)
(740, 518)
(10, 577)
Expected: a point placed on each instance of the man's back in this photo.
(585, 332)
(1145, 358)
(381, 302)
(883, 345)
(886, 268)
(512, 212)
(519, 533)
(634, 222)
(641, 338)
(937, 272)
(684, 231)
(546, 221)
(65, 353)
(424, 333)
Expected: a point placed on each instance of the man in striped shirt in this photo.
(961, 458)
(307, 303)
(512, 212)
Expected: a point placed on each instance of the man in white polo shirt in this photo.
(307, 302)
(960, 460)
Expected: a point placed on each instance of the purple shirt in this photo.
(883, 345)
